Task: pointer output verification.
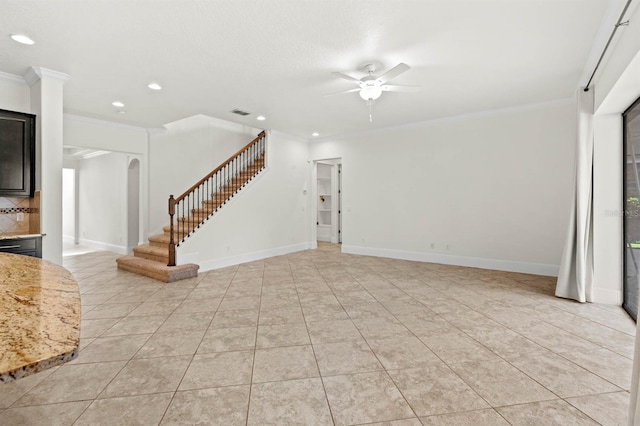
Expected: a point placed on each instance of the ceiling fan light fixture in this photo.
(370, 93)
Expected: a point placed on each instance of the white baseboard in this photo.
(474, 262)
(99, 245)
(68, 239)
(607, 296)
(208, 265)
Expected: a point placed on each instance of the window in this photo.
(631, 122)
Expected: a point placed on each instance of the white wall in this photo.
(490, 190)
(186, 152)
(14, 93)
(102, 202)
(268, 217)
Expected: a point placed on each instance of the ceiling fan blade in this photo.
(346, 77)
(343, 92)
(393, 72)
(396, 88)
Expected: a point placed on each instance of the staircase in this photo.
(191, 210)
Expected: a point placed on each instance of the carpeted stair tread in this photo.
(147, 251)
(157, 270)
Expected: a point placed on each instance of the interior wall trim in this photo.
(208, 265)
(99, 245)
(103, 122)
(12, 78)
(473, 262)
(452, 118)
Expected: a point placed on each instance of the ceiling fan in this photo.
(371, 87)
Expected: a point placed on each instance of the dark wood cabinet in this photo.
(28, 246)
(17, 154)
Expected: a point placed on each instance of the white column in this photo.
(47, 102)
(607, 206)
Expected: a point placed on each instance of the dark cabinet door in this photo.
(31, 246)
(17, 154)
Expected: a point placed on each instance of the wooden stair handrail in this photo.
(220, 167)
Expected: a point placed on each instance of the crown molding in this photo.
(220, 123)
(97, 121)
(38, 73)
(12, 78)
(153, 131)
(286, 135)
(453, 118)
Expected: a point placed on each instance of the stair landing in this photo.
(156, 270)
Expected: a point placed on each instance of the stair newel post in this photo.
(172, 244)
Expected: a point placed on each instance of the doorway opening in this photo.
(69, 214)
(133, 204)
(328, 200)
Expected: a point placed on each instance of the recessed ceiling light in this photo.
(261, 118)
(117, 104)
(122, 112)
(21, 38)
(154, 86)
(315, 134)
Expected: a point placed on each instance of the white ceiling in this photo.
(275, 57)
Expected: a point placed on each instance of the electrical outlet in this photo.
(20, 217)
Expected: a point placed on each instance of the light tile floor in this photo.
(320, 337)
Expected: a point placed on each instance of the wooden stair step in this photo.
(157, 270)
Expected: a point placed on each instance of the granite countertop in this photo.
(18, 236)
(39, 318)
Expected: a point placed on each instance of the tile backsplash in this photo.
(11, 208)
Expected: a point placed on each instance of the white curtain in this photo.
(575, 278)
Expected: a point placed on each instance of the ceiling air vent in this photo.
(240, 112)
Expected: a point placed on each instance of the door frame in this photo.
(336, 222)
